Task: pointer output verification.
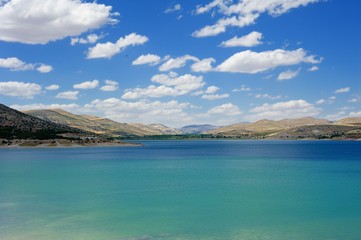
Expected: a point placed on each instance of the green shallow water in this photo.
(183, 190)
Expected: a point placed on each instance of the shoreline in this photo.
(63, 143)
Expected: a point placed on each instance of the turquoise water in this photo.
(281, 190)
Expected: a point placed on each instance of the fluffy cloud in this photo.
(254, 62)
(289, 74)
(109, 49)
(44, 68)
(320, 101)
(210, 93)
(243, 88)
(170, 85)
(19, 89)
(91, 38)
(175, 8)
(71, 95)
(354, 100)
(223, 23)
(215, 96)
(15, 64)
(343, 90)
(211, 89)
(313, 69)
(336, 116)
(150, 59)
(41, 21)
(267, 96)
(227, 109)
(243, 13)
(67, 107)
(277, 111)
(110, 86)
(205, 65)
(179, 62)
(172, 112)
(250, 40)
(87, 85)
(355, 114)
(52, 87)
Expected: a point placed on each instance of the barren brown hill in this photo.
(98, 125)
(268, 128)
(15, 124)
(319, 132)
(355, 121)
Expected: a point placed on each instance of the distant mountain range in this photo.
(51, 123)
(197, 129)
(299, 128)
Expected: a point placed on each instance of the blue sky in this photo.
(183, 62)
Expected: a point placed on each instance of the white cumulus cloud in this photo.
(254, 62)
(87, 85)
(150, 59)
(174, 8)
(215, 96)
(172, 112)
(178, 62)
(313, 69)
(227, 109)
(44, 68)
(52, 87)
(170, 85)
(267, 96)
(71, 95)
(243, 88)
(250, 40)
(41, 21)
(19, 89)
(222, 24)
(355, 114)
(109, 49)
(289, 74)
(243, 13)
(281, 110)
(91, 38)
(15, 64)
(110, 86)
(204, 65)
(72, 107)
(343, 90)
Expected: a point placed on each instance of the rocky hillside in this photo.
(99, 125)
(349, 122)
(15, 124)
(299, 128)
(265, 127)
(197, 129)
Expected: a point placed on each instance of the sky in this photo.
(183, 62)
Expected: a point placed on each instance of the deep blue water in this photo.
(183, 190)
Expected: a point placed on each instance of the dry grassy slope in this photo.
(156, 129)
(349, 121)
(268, 126)
(98, 125)
(12, 118)
(320, 132)
(62, 117)
(18, 125)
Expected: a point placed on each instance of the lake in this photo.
(192, 190)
